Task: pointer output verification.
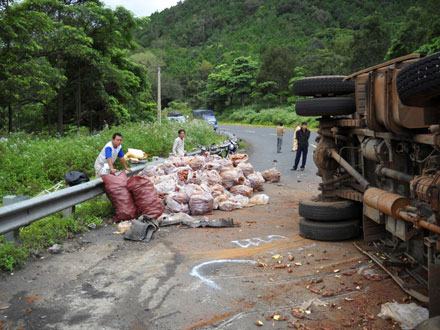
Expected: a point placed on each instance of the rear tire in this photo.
(323, 85)
(326, 106)
(329, 211)
(418, 84)
(329, 231)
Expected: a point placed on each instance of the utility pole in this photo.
(159, 98)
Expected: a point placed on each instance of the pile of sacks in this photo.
(198, 185)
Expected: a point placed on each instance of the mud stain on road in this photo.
(293, 242)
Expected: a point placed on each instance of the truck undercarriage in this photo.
(379, 145)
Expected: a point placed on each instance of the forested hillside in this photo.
(233, 52)
(67, 62)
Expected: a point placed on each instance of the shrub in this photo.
(272, 116)
(31, 163)
(11, 255)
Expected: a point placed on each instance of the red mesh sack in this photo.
(116, 189)
(145, 197)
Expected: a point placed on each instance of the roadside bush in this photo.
(48, 231)
(272, 116)
(30, 163)
(11, 255)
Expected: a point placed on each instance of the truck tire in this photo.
(326, 106)
(418, 84)
(329, 211)
(329, 231)
(323, 85)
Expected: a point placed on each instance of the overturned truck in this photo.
(378, 154)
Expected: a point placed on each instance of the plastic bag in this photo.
(168, 167)
(240, 199)
(231, 178)
(123, 227)
(238, 158)
(213, 178)
(272, 175)
(191, 189)
(196, 162)
(256, 181)
(246, 168)
(229, 205)
(180, 197)
(151, 171)
(260, 199)
(201, 203)
(219, 199)
(116, 188)
(407, 315)
(165, 184)
(174, 206)
(145, 197)
(135, 154)
(217, 190)
(242, 190)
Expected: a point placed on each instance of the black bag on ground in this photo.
(74, 178)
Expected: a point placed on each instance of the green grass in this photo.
(31, 163)
(51, 230)
(265, 117)
(11, 255)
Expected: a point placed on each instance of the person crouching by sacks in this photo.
(105, 161)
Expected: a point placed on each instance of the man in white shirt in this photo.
(179, 144)
(104, 163)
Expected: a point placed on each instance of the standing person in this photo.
(105, 161)
(280, 133)
(302, 136)
(179, 144)
(295, 141)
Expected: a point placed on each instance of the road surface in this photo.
(204, 278)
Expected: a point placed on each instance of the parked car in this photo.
(206, 115)
(176, 116)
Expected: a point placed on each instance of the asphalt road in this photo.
(262, 143)
(203, 278)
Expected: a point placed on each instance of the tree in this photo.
(27, 76)
(68, 62)
(243, 77)
(370, 43)
(277, 64)
(421, 27)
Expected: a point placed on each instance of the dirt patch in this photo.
(211, 321)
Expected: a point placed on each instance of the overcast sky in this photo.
(142, 7)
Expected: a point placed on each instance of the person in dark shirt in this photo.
(302, 136)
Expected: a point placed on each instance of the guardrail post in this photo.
(8, 200)
(68, 212)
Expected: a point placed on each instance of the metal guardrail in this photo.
(25, 212)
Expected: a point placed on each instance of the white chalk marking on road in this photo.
(252, 132)
(195, 271)
(314, 146)
(273, 134)
(256, 241)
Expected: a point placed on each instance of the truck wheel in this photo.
(418, 84)
(323, 85)
(329, 211)
(326, 106)
(329, 231)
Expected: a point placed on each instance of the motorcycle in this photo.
(228, 147)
